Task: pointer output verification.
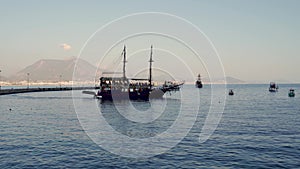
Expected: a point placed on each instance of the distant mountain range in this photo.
(234, 80)
(3, 78)
(229, 80)
(162, 77)
(53, 70)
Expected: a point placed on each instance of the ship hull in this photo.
(130, 95)
(199, 84)
(272, 90)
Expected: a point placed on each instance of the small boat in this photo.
(231, 93)
(292, 93)
(169, 86)
(273, 87)
(198, 83)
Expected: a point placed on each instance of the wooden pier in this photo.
(41, 89)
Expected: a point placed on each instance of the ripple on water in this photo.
(258, 130)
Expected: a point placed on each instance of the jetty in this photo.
(41, 89)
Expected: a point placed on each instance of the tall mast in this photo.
(124, 62)
(150, 69)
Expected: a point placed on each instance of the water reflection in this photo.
(118, 121)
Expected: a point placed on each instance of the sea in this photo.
(257, 129)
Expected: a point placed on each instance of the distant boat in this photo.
(198, 82)
(231, 93)
(273, 87)
(292, 93)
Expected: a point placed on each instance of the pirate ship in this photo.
(115, 88)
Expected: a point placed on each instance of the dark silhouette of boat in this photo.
(114, 88)
(292, 93)
(273, 87)
(199, 82)
(231, 93)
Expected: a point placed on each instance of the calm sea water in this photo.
(258, 130)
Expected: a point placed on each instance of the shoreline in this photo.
(89, 83)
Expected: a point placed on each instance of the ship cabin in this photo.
(138, 85)
(122, 88)
(113, 83)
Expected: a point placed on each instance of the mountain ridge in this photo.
(54, 70)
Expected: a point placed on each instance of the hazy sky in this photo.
(257, 40)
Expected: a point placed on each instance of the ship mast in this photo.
(124, 62)
(150, 69)
(199, 77)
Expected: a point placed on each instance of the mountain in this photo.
(232, 80)
(3, 78)
(53, 70)
(229, 80)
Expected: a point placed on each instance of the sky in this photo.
(257, 40)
